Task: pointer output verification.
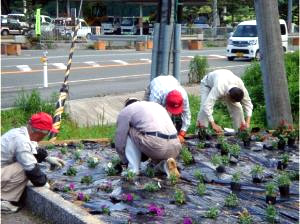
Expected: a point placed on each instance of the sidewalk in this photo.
(24, 216)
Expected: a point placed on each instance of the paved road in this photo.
(93, 73)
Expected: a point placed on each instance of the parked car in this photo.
(244, 41)
(110, 25)
(129, 25)
(47, 24)
(84, 30)
(20, 18)
(11, 25)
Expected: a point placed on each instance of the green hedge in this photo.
(253, 82)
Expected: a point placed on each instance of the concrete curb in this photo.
(54, 209)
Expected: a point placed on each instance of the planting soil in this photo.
(120, 199)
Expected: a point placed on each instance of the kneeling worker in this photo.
(145, 127)
(20, 158)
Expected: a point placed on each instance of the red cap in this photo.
(42, 121)
(174, 102)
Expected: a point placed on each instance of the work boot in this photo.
(170, 167)
(7, 207)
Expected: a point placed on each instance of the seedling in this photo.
(83, 197)
(150, 172)
(271, 189)
(235, 184)
(173, 179)
(71, 171)
(219, 160)
(231, 201)
(244, 135)
(86, 180)
(201, 189)
(151, 187)
(50, 146)
(105, 210)
(212, 213)
(257, 172)
(245, 217)
(236, 177)
(106, 187)
(81, 146)
(201, 145)
(271, 214)
(110, 170)
(64, 150)
(92, 162)
(129, 175)
(186, 156)
(179, 197)
(77, 154)
(283, 180)
(285, 158)
(199, 176)
(234, 150)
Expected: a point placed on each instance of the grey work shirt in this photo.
(17, 147)
(145, 117)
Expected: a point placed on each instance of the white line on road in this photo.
(24, 68)
(59, 65)
(92, 63)
(120, 62)
(217, 56)
(145, 59)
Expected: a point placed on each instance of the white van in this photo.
(84, 30)
(244, 40)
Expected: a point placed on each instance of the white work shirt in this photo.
(159, 89)
(220, 82)
(17, 147)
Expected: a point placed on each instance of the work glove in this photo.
(181, 136)
(54, 161)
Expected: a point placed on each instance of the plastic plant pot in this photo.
(291, 142)
(281, 165)
(223, 152)
(284, 190)
(270, 199)
(246, 142)
(235, 186)
(281, 145)
(220, 169)
(218, 146)
(257, 179)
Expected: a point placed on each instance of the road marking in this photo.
(92, 63)
(217, 56)
(60, 65)
(120, 62)
(146, 59)
(24, 68)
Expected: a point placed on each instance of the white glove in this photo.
(47, 185)
(55, 161)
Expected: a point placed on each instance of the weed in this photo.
(232, 200)
(179, 197)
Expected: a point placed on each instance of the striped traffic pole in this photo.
(63, 93)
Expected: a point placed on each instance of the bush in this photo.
(198, 69)
(254, 84)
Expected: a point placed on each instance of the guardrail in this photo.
(121, 37)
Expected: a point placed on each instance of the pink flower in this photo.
(80, 196)
(72, 186)
(156, 210)
(187, 220)
(127, 197)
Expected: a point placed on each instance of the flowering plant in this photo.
(127, 197)
(154, 209)
(83, 197)
(187, 220)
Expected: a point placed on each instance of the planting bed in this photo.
(116, 200)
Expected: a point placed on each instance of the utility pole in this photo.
(290, 7)
(272, 64)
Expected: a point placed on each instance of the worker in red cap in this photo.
(20, 157)
(167, 91)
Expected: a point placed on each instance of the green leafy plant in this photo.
(283, 179)
(86, 180)
(72, 171)
(201, 145)
(151, 187)
(285, 158)
(77, 154)
(50, 146)
(80, 146)
(201, 189)
(198, 68)
(235, 150)
(244, 134)
(173, 179)
(105, 210)
(130, 175)
(219, 160)
(271, 213)
(212, 213)
(199, 176)
(110, 170)
(179, 197)
(293, 175)
(271, 189)
(64, 150)
(150, 172)
(186, 156)
(92, 162)
(231, 200)
(257, 170)
(245, 217)
(236, 177)
(292, 133)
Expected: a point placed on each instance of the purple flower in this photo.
(156, 210)
(187, 220)
(80, 196)
(127, 197)
(72, 186)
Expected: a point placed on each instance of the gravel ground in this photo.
(24, 216)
